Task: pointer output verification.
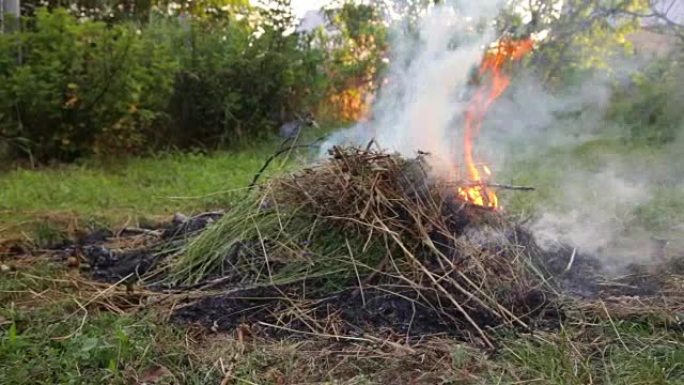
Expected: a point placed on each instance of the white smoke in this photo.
(422, 108)
(593, 184)
(594, 213)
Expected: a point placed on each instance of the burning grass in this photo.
(364, 239)
(364, 244)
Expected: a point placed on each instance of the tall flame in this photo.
(494, 82)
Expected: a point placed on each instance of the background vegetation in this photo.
(127, 97)
(84, 80)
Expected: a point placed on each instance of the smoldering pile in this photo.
(366, 241)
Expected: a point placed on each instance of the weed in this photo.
(56, 341)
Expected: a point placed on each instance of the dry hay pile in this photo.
(367, 244)
(365, 240)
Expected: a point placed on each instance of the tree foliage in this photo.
(650, 106)
(78, 88)
(578, 35)
(356, 58)
(205, 78)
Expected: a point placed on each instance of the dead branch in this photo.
(653, 13)
(495, 185)
(510, 187)
(276, 154)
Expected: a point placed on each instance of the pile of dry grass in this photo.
(373, 232)
(366, 245)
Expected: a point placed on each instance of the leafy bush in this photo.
(356, 61)
(651, 106)
(72, 87)
(235, 83)
(69, 88)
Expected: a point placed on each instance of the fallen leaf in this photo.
(155, 374)
(73, 262)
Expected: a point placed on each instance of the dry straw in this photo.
(370, 222)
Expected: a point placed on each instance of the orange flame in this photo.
(494, 83)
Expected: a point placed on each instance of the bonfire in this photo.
(495, 82)
(364, 244)
(367, 243)
(374, 232)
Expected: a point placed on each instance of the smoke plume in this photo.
(585, 200)
(420, 106)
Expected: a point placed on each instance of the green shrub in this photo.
(85, 87)
(73, 87)
(650, 107)
(235, 84)
(81, 86)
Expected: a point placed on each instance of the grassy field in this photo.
(130, 190)
(57, 327)
(636, 187)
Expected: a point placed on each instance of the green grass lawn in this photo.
(130, 191)
(57, 329)
(598, 176)
(134, 187)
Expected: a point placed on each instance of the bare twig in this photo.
(493, 185)
(510, 187)
(273, 157)
(279, 152)
(572, 259)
